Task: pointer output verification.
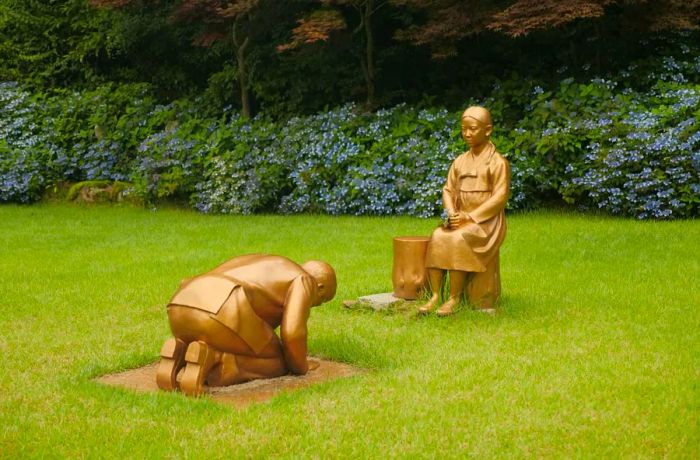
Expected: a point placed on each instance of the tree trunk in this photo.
(243, 80)
(242, 70)
(370, 70)
(597, 48)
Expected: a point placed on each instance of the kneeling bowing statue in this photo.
(224, 321)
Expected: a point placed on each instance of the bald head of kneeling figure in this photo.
(324, 275)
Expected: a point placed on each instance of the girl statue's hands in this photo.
(457, 219)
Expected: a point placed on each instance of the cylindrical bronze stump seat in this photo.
(409, 273)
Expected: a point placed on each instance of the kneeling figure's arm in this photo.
(293, 328)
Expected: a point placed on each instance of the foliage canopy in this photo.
(299, 56)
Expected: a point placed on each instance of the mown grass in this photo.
(595, 352)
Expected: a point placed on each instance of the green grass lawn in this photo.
(596, 352)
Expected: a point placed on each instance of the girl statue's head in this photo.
(480, 114)
(476, 126)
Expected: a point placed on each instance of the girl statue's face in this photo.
(474, 132)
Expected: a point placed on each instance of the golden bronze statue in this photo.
(408, 273)
(224, 321)
(474, 198)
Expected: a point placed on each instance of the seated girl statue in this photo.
(474, 198)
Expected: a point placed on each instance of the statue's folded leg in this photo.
(234, 369)
(225, 372)
(261, 368)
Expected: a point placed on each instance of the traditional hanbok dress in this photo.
(478, 185)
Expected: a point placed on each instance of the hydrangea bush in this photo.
(385, 163)
(645, 161)
(242, 172)
(97, 131)
(599, 144)
(25, 149)
(336, 162)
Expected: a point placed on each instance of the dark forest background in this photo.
(289, 57)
